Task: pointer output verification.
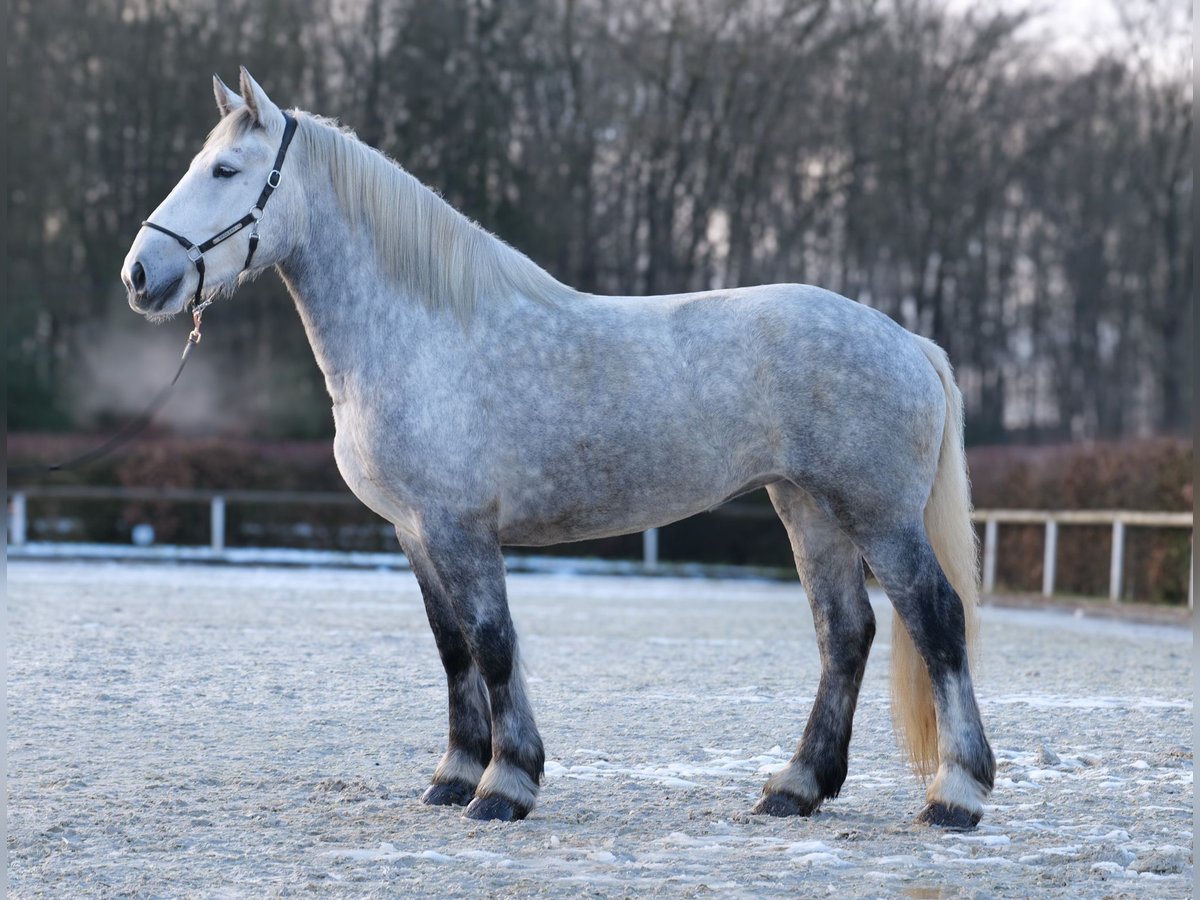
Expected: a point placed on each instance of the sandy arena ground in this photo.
(192, 731)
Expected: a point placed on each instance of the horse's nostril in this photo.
(139, 277)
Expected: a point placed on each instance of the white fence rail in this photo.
(991, 519)
(1117, 520)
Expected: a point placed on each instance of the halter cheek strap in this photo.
(195, 252)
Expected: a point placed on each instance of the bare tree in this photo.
(1031, 216)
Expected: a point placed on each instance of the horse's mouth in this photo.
(167, 293)
(155, 307)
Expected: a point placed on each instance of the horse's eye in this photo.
(220, 171)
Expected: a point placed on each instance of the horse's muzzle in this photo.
(145, 296)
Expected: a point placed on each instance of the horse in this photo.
(480, 402)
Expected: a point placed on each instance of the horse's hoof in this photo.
(495, 809)
(952, 818)
(451, 793)
(777, 803)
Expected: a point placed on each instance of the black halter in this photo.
(195, 252)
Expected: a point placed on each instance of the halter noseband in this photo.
(195, 252)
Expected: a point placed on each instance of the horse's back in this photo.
(830, 367)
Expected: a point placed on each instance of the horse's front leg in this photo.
(469, 746)
(464, 553)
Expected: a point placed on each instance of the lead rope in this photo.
(134, 427)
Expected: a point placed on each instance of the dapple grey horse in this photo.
(480, 402)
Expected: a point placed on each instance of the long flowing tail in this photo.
(952, 535)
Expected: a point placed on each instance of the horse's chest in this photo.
(377, 480)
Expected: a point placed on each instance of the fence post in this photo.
(218, 523)
(650, 548)
(989, 556)
(17, 523)
(1050, 558)
(1118, 561)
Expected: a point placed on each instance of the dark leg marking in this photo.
(830, 567)
(932, 612)
(465, 553)
(469, 746)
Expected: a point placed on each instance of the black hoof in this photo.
(779, 804)
(952, 818)
(452, 793)
(495, 809)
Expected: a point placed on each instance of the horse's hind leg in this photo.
(932, 613)
(469, 746)
(830, 568)
(464, 553)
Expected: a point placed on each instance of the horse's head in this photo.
(223, 185)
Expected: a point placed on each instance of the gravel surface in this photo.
(193, 731)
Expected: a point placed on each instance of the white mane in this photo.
(436, 254)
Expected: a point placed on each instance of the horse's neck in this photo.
(354, 315)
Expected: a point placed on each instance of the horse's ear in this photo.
(227, 98)
(266, 113)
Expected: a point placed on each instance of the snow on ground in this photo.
(199, 731)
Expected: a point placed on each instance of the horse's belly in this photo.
(581, 506)
(566, 530)
(585, 525)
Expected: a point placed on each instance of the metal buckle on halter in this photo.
(273, 178)
(255, 213)
(194, 253)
